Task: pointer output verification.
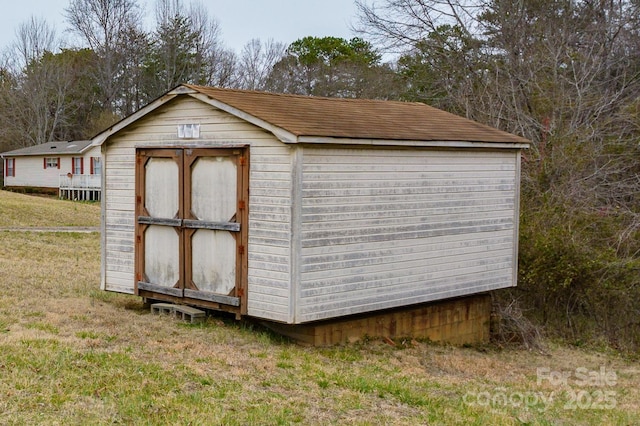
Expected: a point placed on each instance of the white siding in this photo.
(269, 204)
(387, 228)
(270, 232)
(30, 171)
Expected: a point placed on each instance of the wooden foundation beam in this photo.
(458, 321)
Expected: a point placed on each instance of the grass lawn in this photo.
(71, 354)
(27, 210)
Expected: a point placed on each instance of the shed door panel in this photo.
(213, 240)
(159, 233)
(189, 228)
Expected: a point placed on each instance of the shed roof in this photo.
(51, 148)
(308, 116)
(309, 119)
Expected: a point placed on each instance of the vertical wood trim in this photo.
(180, 158)
(103, 223)
(516, 217)
(139, 235)
(243, 264)
(188, 158)
(295, 259)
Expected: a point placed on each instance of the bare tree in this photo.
(104, 25)
(33, 38)
(257, 61)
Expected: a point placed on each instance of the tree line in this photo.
(563, 73)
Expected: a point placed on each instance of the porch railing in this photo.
(80, 187)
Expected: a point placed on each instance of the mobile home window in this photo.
(77, 166)
(96, 166)
(11, 167)
(51, 163)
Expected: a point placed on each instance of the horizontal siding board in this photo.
(272, 296)
(424, 277)
(409, 254)
(267, 311)
(385, 228)
(423, 270)
(401, 204)
(264, 280)
(433, 244)
(315, 239)
(412, 219)
(405, 288)
(269, 242)
(368, 306)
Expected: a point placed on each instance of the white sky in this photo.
(240, 20)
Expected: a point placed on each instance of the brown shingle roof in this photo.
(357, 118)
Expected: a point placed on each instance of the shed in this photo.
(72, 169)
(297, 209)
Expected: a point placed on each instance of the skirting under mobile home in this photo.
(297, 209)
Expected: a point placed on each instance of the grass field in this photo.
(71, 354)
(22, 210)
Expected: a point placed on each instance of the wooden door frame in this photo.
(142, 157)
(241, 153)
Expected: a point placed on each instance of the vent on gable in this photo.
(188, 131)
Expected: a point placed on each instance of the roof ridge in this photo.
(204, 89)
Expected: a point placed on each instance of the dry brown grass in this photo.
(71, 354)
(17, 210)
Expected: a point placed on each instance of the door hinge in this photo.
(240, 292)
(240, 249)
(241, 205)
(242, 161)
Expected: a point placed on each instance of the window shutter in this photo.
(73, 164)
(91, 169)
(14, 168)
(81, 165)
(44, 163)
(58, 162)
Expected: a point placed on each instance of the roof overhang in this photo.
(410, 143)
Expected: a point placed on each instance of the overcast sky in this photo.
(240, 20)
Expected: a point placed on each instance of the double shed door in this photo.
(191, 219)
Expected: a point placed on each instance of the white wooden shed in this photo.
(296, 209)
